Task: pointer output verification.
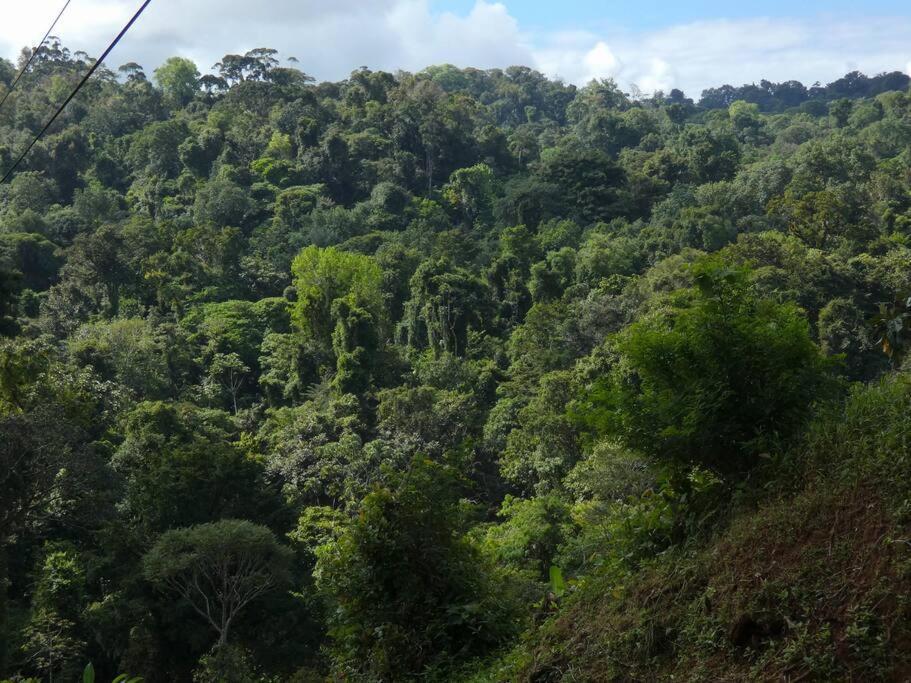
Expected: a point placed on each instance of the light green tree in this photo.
(323, 276)
(179, 79)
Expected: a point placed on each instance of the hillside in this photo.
(452, 375)
(808, 584)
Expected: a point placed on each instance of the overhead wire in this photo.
(31, 57)
(73, 94)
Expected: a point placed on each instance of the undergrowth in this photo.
(813, 583)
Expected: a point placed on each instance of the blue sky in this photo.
(645, 45)
(651, 14)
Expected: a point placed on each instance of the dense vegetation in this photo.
(456, 375)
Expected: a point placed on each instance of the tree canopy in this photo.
(391, 378)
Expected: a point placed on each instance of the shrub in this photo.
(710, 379)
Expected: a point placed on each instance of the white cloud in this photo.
(600, 60)
(329, 38)
(710, 53)
(332, 38)
(717, 52)
(660, 75)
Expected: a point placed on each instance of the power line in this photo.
(34, 52)
(91, 71)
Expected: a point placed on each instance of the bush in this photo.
(711, 379)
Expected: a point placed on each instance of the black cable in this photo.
(32, 56)
(91, 71)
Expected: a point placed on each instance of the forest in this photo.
(457, 375)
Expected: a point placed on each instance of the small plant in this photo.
(868, 643)
(893, 323)
(88, 676)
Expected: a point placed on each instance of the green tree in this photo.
(47, 419)
(96, 271)
(589, 184)
(840, 111)
(470, 193)
(446, 302)
(356, 345)
(295, 203)
(182, 465)
(531, 533)
(746, 121)
(218, 568)
(545, 444)
(53, 642)
(9, 290)
(287, 368)
(179, 79)
(323, 276)
(408, 589)
(225, 374)
(893, 324)
(709, 156)
(223, 203)
(711, 378)
(52, 646)
(815, 217)
(127, 351)
(34, 257)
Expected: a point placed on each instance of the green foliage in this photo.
(181, 465)
(893, 323)
(179, 79)
(446, 303)
(761, 597)
(545, 445)
(587, 183)
(226, 664)
(324, 276)
(295, 203)
(219, 568)
(711, 380)
(356, 343)
(341, 311)
(222, 202)
(52, 645)
(127, 351)
(32, 256)
(9, 287)
(470, 193)
(408, 590)
(531, 534)
(313, 449)
(52, 636)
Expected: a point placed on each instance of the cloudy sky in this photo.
(651, 44)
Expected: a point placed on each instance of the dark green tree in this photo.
(218, 568)
(408, 589)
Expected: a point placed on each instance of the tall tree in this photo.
(179, 79)
(218, 568)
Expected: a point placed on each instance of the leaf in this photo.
(88, 674)
(557, 584)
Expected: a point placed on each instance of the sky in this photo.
(643, 44)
